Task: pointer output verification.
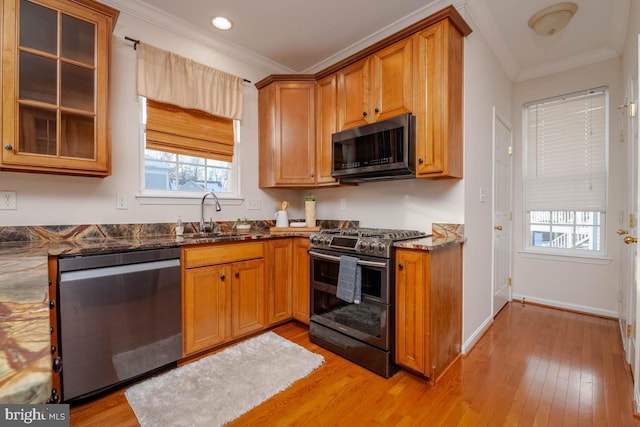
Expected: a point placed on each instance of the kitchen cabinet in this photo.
(55, 95)
(438, 87)
(376, 87)
(223, 293)
(301, 285)
(428, 309)
(326, 125)
(287, 134)
(279, 287)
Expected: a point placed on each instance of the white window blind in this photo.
(566, 166)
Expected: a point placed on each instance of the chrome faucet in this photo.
(218, 209)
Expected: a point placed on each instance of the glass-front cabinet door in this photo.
(55, 86)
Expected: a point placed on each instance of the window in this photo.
(190, 115)
(566, 149)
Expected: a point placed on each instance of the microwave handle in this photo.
(335, 258)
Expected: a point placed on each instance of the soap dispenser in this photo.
(179, 227)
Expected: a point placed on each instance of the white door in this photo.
(628, 227)
(502, 179)
(633, 294)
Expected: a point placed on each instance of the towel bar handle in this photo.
(337, 259)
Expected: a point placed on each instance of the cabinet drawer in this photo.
(198, 256)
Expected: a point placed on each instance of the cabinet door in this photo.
(353, 94)
(295, 133)
(205, 305)
(446, 308)
(438, 101)
(55, 94)
(301, 283)
(412, 310)
(279, 283)
(247, 297)
(326, 124)
(392, 88)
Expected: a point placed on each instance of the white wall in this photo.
(416, 204)
(51, 199)
(408, 204)
(561, 281)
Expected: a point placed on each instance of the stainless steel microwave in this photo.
(378, 151)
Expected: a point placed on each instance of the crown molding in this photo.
(565, 64)
(487, 27)
(161, 19)
(402, 23)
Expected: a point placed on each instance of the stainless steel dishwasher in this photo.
(119, 317)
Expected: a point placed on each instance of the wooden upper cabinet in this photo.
(55, 86)
(287, 134)
(438, 82)
(376, 87)
(326, 125)
(418, 70)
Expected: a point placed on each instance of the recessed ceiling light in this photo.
(221, 23)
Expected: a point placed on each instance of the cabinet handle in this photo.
(400, 266)
(222, 277)
(364, 114)
(8, 147)
(421, 160)
(237, 274)
(377, 110)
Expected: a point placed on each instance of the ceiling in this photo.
(292, 36)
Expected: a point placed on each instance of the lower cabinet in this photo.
(428, 309)
(301, 285)
(223, 289)
(280, 281)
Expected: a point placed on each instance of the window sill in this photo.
(185, 199)
(565, 257)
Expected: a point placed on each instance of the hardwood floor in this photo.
(535, 366)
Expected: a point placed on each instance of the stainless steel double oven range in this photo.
(363, 333)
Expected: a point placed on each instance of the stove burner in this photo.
(371, 241)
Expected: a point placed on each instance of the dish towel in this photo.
(349, 280)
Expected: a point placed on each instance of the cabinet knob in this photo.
(400, 266)
(364, 114)
(237, 274)
(377, 110)
(222, 277)
(57, 364)
(421, 160)
(8, 147)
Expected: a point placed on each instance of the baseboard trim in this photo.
(582, 309)
(477, 334)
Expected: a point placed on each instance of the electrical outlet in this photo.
(121, 201)
(254, 204)
(343, 204)
(8, 200)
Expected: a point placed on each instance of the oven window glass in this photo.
(373, 279)
(366, 318)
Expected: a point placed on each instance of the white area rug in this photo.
(219, 388)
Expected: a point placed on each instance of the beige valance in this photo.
(172, 79)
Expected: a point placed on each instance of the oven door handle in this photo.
(360, 262)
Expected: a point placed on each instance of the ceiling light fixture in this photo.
(221, 23)
(552, 19)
